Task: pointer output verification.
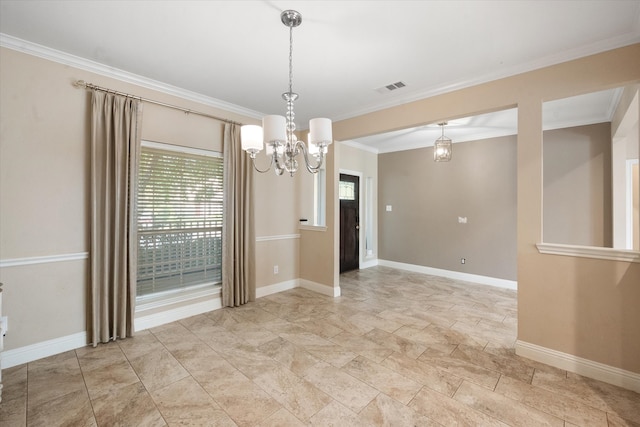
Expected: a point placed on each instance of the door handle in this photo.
(357, 227)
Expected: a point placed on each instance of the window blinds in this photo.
(180, 214)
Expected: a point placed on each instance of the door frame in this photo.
(360, 212)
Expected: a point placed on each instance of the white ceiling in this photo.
(344, 51)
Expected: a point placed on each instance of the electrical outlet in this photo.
(463, 260)
(275, 269)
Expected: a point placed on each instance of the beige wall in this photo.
(577, 186)
(580, 306)
(44, 169)
(318, 244)
(276, 225)
(427, 198)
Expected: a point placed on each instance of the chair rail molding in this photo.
(610, 254)
(16, 262)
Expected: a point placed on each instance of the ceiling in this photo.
(345, 52)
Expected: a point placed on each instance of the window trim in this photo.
(180, 149)
(167, 298)
(176, 296)
(595, 252)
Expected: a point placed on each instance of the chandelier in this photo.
(442, 147)
(278, 132)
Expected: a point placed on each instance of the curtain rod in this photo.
(85, 85)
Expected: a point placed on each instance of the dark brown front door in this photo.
(349, 222)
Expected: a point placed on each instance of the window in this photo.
(347, 190)
(180, 213)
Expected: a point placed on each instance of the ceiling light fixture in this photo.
(278, 132)
(442, 146)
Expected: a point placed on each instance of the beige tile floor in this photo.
(396, 349)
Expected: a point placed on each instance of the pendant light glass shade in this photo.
(442, 147)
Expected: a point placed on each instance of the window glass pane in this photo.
(347, 190)
(180, 212)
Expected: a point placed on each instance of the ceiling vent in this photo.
(390, 87)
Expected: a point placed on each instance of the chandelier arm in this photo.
(253, 160)
(313, 169)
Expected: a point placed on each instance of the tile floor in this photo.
(396, 349)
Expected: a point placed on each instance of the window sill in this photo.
(313, 227)
(589, 252)
(151, 302)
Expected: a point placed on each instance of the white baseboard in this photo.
(263, 291)
(482, 280)
(587, 368)
(368, 263)
(29, 353)
(320, 288)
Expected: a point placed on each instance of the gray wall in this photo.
(427, 198)
(577, 186)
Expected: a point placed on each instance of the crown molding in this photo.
(60, 57)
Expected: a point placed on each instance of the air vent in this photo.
(390, 87)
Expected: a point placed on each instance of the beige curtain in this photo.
(238, 241)
(115, 145)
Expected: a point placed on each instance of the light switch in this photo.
(389, 209)
(462, 219)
